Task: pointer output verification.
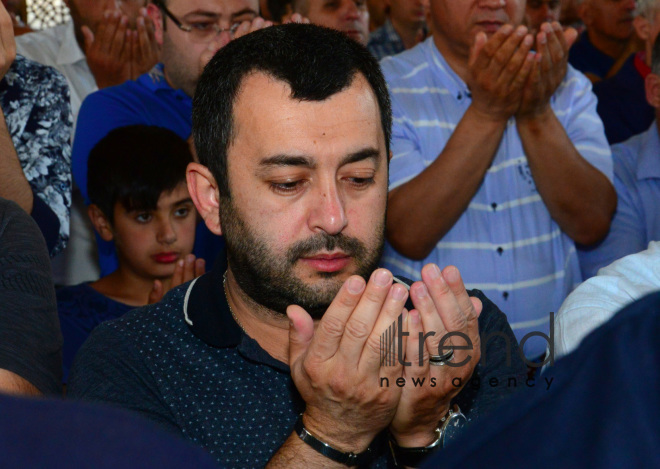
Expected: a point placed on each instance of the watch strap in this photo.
(348, 459)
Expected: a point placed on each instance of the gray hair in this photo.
(647, 8)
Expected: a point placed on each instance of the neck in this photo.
(607, 45)
(457, 59)
(125, 286)
(410, 34)
(268, 328)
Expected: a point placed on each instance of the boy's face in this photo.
(149, 243)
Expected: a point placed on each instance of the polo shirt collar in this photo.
(444, 73)
(69, 51)
(155, 81)
(649, 160)
(208, 316)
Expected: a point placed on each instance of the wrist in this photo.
(535, 119)
(485, 117)
(336, 436)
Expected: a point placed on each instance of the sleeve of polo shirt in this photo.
(108, 369)
(101, 112)
(627, 234)
(575, 106)
(596, 300)
(407, 161)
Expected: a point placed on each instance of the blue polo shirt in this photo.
(637, 218)
(505, 243)
(622, 102)
(149, 100)
(584, 56)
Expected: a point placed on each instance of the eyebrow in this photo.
(187, 200)
(310, 163)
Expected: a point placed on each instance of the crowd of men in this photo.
(406, 209)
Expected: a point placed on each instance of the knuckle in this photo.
(373, 344)
(332, 326)
(357, 328)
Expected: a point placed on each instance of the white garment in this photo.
(58, 48)
(596, 300)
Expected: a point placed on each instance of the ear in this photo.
(101, 223)
(154, 13)
(204, 193)
(652, 85)
(642, 27)
(584, 12)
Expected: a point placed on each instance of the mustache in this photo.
(325, 242)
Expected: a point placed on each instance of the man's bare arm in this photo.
(578, 196)
(423, 210)
(11, 383)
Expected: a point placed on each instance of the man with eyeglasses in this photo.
(189, 32)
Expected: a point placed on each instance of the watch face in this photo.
(453, 429)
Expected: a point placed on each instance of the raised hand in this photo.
(498, 69)
(442, 306)
(145, 51)
(337, 368)
(108, 51)
(185, 270)
(550, 65)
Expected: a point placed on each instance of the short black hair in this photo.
(316, 63)
(134, 165)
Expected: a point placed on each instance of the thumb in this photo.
(156, 292)
(89, 37)
(570, 34)
(301, 331)
(479, 43)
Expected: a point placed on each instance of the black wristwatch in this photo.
(349, 459)
(448, 427)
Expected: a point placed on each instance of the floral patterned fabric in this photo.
(35, 101)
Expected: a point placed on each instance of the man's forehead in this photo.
(226, 7)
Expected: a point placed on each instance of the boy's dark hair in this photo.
(315, 62)
(134, 165)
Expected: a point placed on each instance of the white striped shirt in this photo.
(505, 243)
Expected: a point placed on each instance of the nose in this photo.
(166, 233)
(328, 213)
(352, 11)
(493, 4)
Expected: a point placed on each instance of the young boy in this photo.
(140, 200)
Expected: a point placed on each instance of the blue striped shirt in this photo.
(505, 243)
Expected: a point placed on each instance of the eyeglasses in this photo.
(201, 31)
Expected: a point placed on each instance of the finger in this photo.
(389, 321)
(502, 56)
(520, 80)
(484, 49)
(177, 277)
(243, 29)
(257, 23)
(189, 268)
(119, 39)
(7, 36)
(428, 307)
(107, 30)
(301, 331)
(156, 292)
(417, 354)
(200, 267)
(331, 327)
(542, 49)
(471, 313)
(555, 47)
(88, 36)
(360, 324)
(144, 46)
(516, 62)
(477, 58)
(570, 36)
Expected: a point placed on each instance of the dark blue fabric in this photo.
(149, 100)
(217, 386)
(587, 59)
(622, 104)
(81, 309)
(54, 434)
(602, 411)
(47, 221)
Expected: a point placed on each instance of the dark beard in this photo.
(270, 281)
